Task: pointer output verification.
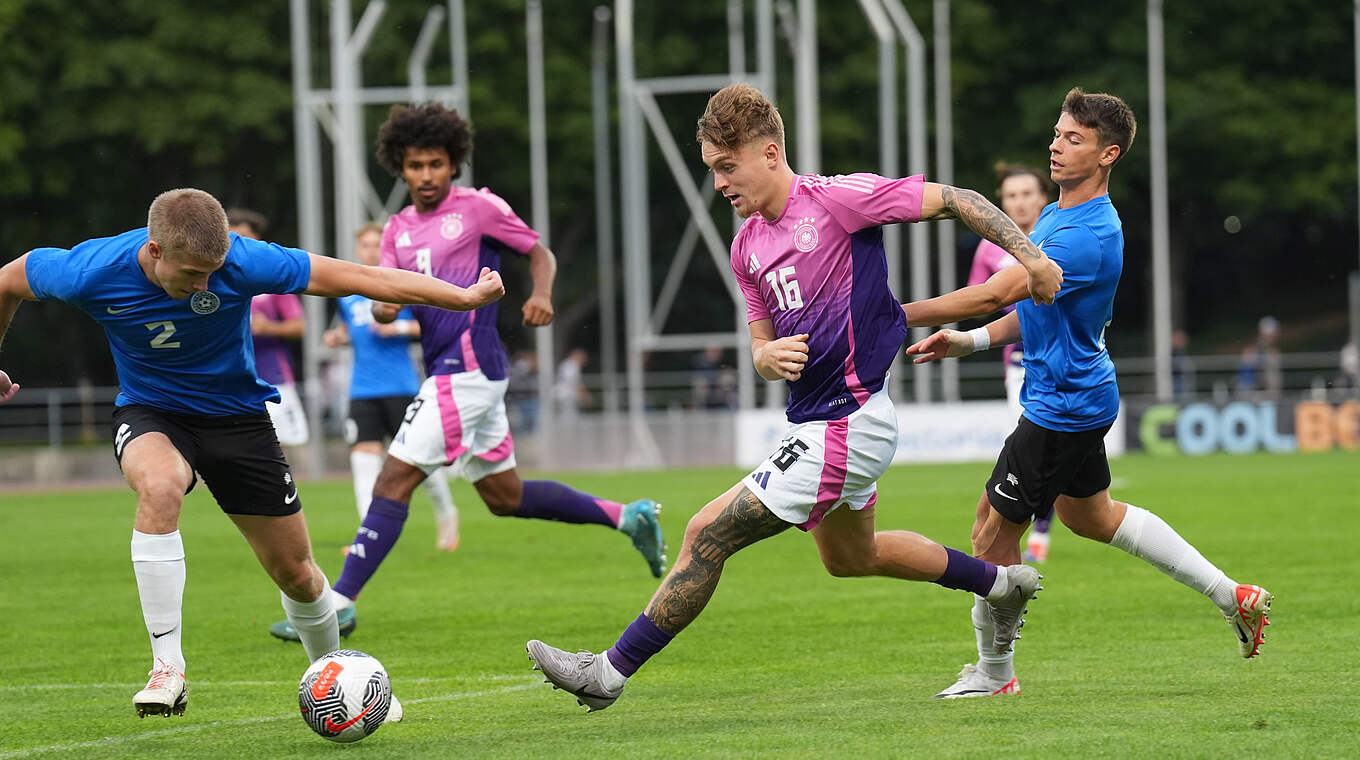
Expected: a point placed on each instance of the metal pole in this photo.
(916, 164)
(604, 208)
(420, 54)
(459, 63)
(805, 87)
(1161, 238)
(538, 162)
(311, 220)
(944, 173)
(765, 46)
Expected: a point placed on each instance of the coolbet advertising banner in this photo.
(1241, 427)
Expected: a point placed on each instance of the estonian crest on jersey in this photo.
(451, 226)
(805, 235)
(204, 302)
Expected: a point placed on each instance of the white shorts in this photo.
(823, 464)
(288, 416)
(457, 419)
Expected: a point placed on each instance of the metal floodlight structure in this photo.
(641, 119)
(338, 111)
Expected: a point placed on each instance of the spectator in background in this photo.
(1259, 372)
(712, 386)
(275, 321)
(1182, 366)
(570, 391)
(521, 394)
(1350, 366)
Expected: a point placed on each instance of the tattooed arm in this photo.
(730, 522)
(948, 202)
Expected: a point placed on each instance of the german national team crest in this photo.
(204, 302)
(805, 235)
(451, 226)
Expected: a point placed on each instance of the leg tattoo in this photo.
(685, 592)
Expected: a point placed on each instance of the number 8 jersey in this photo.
(192, 356)
(820, 269)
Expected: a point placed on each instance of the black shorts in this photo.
(375, 419)
(1037, 464)
(238, 457)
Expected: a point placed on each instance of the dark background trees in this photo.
(104, 106)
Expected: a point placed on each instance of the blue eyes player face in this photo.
(179, 276)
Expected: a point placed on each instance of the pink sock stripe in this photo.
(833, 471)
(503, 450)
(448, 413)
(612, 509)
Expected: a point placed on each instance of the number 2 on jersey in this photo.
(786, 290)
(162, 338)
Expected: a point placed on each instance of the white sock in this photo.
(1000, 586)
(314, 622)
(991, 663)
(437, 488)
(610, 676)
(365, 467)
(340, 601)
(1148, 537)
(158, 562)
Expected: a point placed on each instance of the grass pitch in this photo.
(1117, 660)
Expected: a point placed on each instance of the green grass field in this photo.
(1117, 659)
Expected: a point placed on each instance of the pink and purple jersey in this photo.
(988, 259)
(453, 242)
(820, 269)
(273, 357)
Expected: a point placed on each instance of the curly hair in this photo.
(738, 114)
(430, 125)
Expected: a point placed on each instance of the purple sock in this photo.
(378, 533)
(550, 500)
(639, 641)
(1042, 524)
(964, 573)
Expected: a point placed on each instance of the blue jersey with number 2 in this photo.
(192, 356)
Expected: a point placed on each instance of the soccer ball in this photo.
(345, 695)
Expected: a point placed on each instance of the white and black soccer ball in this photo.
(345, 695)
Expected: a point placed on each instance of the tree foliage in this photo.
(104, 105)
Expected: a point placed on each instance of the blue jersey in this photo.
(1069, 378)
(382, 365)
(192, 356)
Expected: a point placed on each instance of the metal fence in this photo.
(58, 417)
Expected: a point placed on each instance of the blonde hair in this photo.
(189, 223)
(368, 227)
(738, 114)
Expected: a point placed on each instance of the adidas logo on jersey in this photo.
(753, 265)
(404, 240)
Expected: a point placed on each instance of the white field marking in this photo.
(112, 741)
(234, 684)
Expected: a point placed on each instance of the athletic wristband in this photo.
(982, 340)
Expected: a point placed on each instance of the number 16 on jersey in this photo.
(785, 288)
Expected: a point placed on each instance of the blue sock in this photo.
(378, 533)
(639, 642)
(966, 573)
(550, 500)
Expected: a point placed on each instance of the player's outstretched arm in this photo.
(14, 289)
(538, 307)
(983, 217)
(777, 358)
(1000, 290)
(954, 343)
(334, 278)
